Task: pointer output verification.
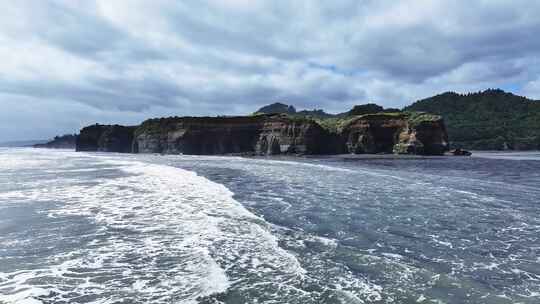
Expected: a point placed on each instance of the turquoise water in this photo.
(113, 228)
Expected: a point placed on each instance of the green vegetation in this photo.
(416, 118)
(157, 125)
(336, 124)
(333, 124)
(368, 108)
(489, 120)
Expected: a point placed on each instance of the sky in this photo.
(68, 64)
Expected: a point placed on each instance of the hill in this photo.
(281, 108)
(488, 120)
(277, 108)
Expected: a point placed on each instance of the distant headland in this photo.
(488, 120)
(273, 134)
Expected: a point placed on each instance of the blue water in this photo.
(113, 228)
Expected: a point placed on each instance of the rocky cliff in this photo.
(105, 138)
(272, 134)
(399, 133)
(259, 134)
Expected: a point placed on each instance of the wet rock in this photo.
(459, 152)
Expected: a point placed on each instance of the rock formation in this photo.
(105, 138)
(399, 133)
(271, 134)
(458, 152)
(197, 135)
(259, 134)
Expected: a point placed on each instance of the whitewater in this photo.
(117, 228)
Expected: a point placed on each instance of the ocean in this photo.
(130, 228)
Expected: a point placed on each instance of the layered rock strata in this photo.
(261, 134)
(396, 133)
(271, 135)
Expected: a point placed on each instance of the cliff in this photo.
(105, 138)
(67, 141)
(259, 134)
(399, 133)
(272, 134)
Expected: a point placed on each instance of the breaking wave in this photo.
(161, 234)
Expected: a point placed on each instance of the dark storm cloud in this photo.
(127, 60)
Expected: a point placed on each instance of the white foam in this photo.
(172, 214)
(524, 155)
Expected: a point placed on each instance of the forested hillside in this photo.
(489, 120)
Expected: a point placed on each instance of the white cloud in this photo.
(532, 89)
(127, 60)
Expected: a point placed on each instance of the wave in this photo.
(163, 234)
(522, 155)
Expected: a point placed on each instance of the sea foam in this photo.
(164, 234)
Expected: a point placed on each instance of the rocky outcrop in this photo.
(259, 134)
(282, 134)
(198, 135)
(399, 133)
(106, 138)
(272, 134)
(459, 152)
(59, 142)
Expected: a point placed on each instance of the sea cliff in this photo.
(272, 134)
(398, 133)
(105, 138)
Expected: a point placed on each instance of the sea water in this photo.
(119, 228)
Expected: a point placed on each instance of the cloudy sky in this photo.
(67, 64)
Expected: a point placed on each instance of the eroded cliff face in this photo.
(105, 138)
(271, 135)
(281, 135)
(372, 133)
(396, 133)
(197, 135)
(261, 134)
(427, 137)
